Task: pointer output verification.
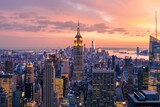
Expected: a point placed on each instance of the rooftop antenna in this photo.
(156, 24)
(78, 29)
(78, 22)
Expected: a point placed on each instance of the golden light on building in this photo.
(117, 83)
(59, 87)
(30, 104)
(8, 82)
(78, 56)
(64, 75)
(120, 104)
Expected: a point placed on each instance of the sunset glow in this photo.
(53, 23)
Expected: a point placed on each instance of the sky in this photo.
(52, 23)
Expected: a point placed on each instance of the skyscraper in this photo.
(143, 78)
(48, 84)
(78, 56)
(29, 81)
(93, 46)
(3, 98)
(8, 82)
(103, 83)
(9, 66)
(154, 59)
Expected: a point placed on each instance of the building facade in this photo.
(3, 98)
(48, 84)
(29, 81)
(78, 56)
(143, 77)
(8, 82)
(103, 85)
(154, 59)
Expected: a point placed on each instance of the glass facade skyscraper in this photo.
(154, 58)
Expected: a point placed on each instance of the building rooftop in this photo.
(147, 92)
(98, 70)
(145, 96)
(6, 75)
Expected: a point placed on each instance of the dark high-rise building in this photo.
(3, 98)
(143, 77)
(144, 98)
(113, 62)
(93, 46)
(16, 98)
(154, 59)
(127, 61)
(9, 66)
(117, 70)
(130, 84)
(78, 56)
(48, 84)
(29, 81)
(103, 85)
(137, 50)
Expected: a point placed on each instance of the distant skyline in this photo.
(53, 23)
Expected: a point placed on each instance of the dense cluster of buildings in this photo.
(79, 77)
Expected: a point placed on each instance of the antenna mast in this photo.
(156, 24)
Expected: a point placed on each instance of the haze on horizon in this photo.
(53, 23)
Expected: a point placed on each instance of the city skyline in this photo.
(52, 24)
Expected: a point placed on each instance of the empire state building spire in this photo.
(78, 56)
(78, 29)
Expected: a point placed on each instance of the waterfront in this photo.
(131, 53)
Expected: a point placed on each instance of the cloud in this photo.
(33, 22)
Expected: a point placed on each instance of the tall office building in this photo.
(9, 66)
(113, 62)
(8, 82)
(103, 85)
(48, 84)
(3, 98)
(127, 61)
(154, 58)
(29, 81)
(137, 50)
(143, 73)
(78, 56)
(93, 46)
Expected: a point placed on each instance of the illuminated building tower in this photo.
(8, 82)
(103, 85)
(3, 98)
(78, 56)
(48, 84)
(9, 66)
(29, 81)
(154, 58)
(65, 73)
(143, 78)
(59, 88)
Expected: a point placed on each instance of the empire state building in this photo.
(78, 56)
